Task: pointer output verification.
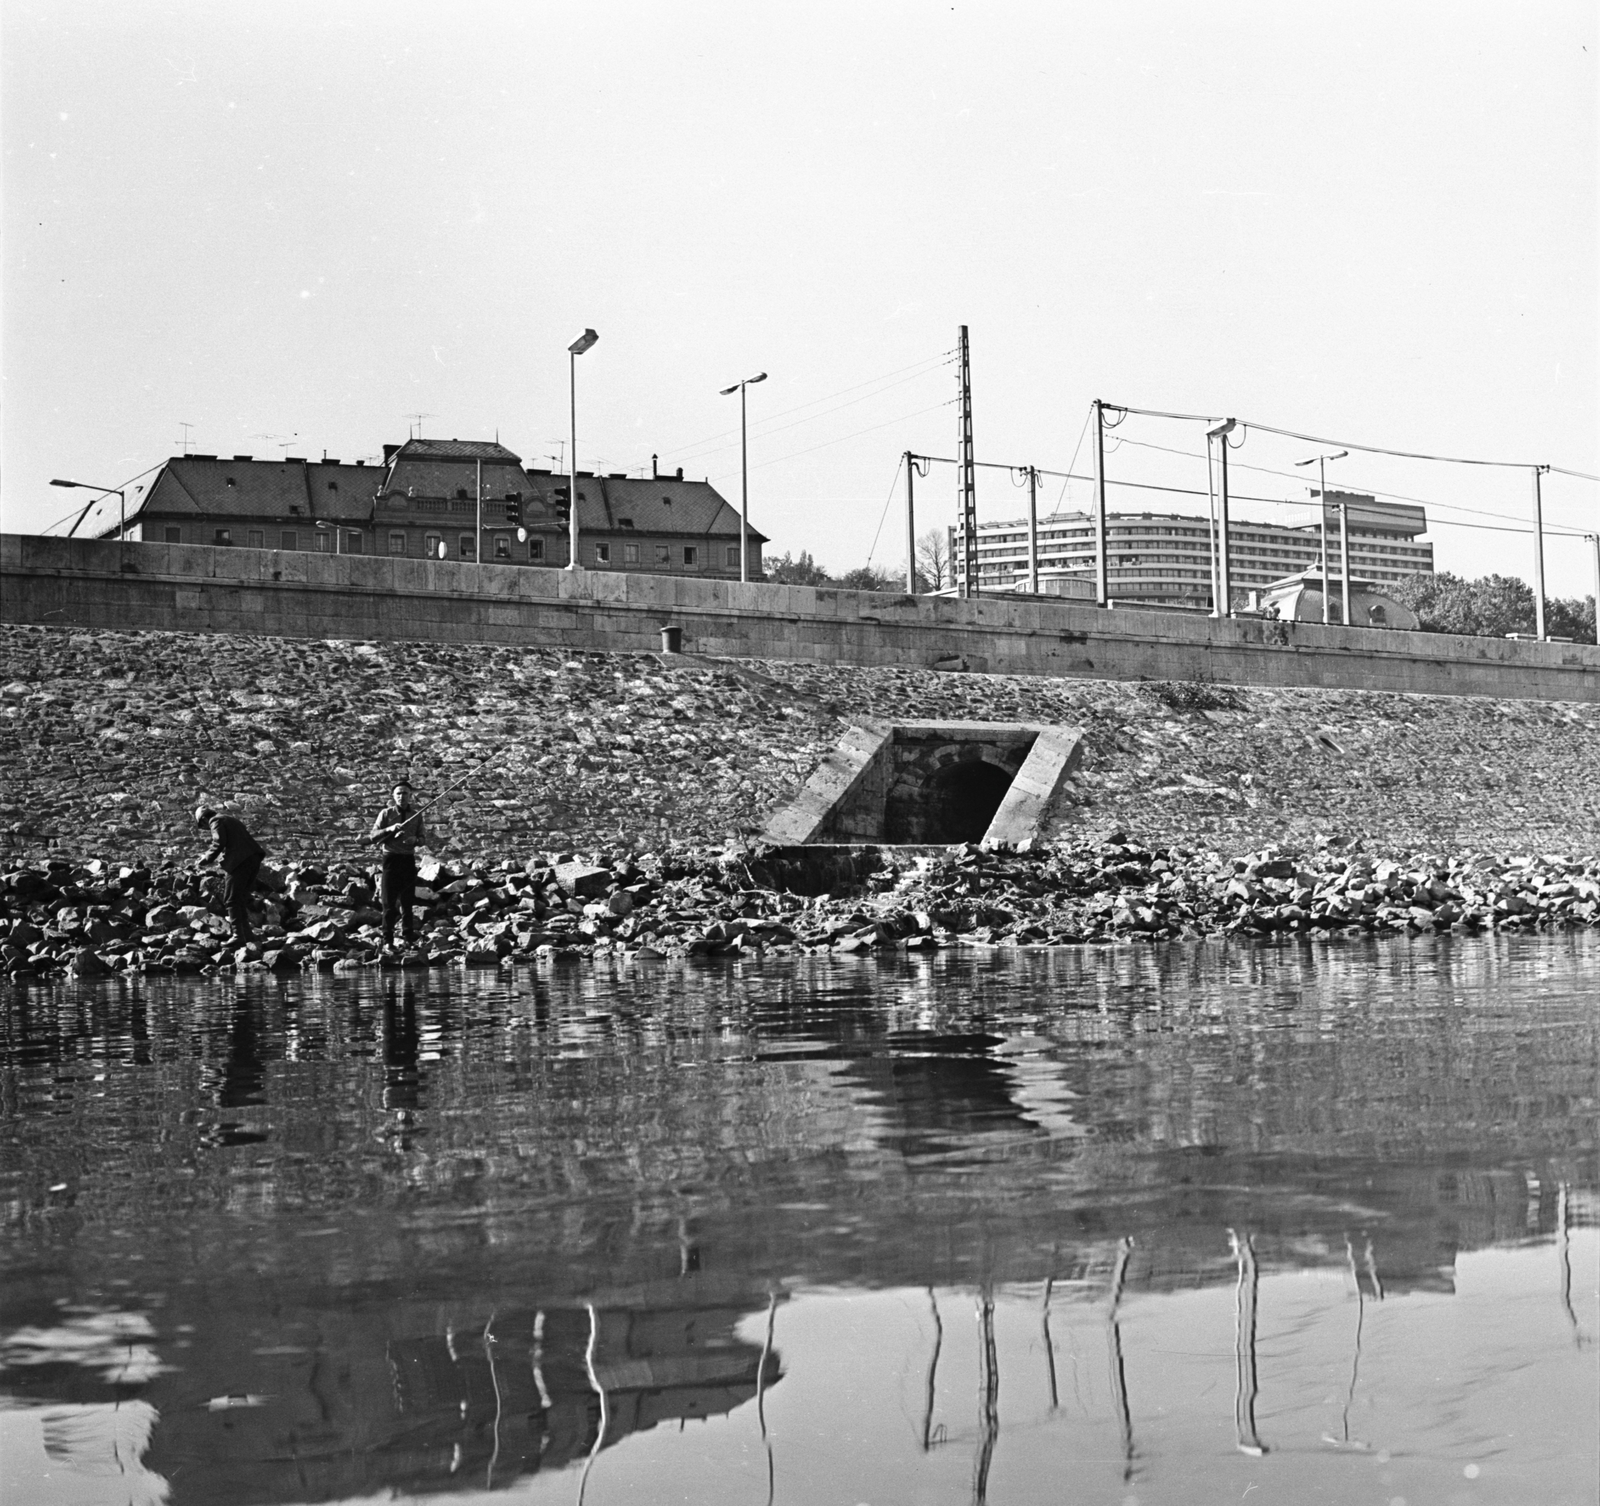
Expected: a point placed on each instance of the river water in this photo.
(1128, 1225)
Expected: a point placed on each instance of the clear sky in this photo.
(290, 225)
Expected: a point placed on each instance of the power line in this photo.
(769, 428)
(1352, 444)
(794, 454)
(931, 363)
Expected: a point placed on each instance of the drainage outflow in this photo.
(928, 783)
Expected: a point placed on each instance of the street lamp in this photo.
(744, 475)
(105, 491)
(1223, 606)
(1344, 534)
(576, 349)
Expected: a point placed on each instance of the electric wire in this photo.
(888, 423)
(931, 363)
(899, 466)
(1264, 470)
(770, 429)
(1352, 444)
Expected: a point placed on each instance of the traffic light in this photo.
(561, 500)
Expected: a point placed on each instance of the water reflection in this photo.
(465, 1232)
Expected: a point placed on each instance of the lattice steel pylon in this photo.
(966, 478)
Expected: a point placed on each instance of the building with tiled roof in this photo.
(429, 499)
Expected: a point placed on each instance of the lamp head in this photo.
(583, 342)
(66, 483)
(727, 390)
(760, 376)
(1227, 426)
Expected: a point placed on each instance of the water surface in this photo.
(1297, 1223)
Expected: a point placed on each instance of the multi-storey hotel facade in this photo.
(1165, 559)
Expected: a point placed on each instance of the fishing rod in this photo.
(422, 809)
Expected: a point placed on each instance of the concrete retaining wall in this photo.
(89, 583)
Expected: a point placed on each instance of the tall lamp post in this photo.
(1224, 560)
(105, 491)
(744, 474)
(1344, 534)
(576, 349)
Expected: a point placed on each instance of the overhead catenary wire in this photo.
(888, 423)
(1352, 444)
(916, 369)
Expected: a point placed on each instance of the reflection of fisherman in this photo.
(239, 855)
(399, 827)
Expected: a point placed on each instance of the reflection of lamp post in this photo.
(105, 491)
(1344, 534)
(576, 349)
(744, 475)
(325, 527)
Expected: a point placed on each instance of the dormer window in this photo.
(294, 511)
(666, 501)
(230, 480)
(624, 522)
(333, 486)
(461, 494)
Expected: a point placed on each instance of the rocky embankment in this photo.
(109, 740)
(95, 921)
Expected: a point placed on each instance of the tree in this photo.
(1490, 607)
(799, 571)
(871, 578)
(934, 565)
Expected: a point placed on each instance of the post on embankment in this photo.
(1538, 557)
(966, 474)
(1102, 577)
(1033, 529)
(1220, 432)
(911, 525)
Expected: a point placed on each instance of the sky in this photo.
(289, 228)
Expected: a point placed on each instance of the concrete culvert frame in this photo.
(927, 783)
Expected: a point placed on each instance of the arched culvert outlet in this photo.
(959, 801)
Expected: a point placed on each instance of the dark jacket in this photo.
(233, 843)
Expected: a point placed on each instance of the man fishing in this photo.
(239, 855)
(399, 827)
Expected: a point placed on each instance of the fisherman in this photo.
(239, 855)
(399, 827)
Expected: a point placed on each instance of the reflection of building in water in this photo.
(401, 1397)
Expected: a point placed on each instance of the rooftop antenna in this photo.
(416, 423)
(560, 456)
(184, 442)
(283, 441)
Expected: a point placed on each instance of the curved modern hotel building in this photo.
(1164, 559)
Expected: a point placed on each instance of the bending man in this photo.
(239, 855)
(399, 827)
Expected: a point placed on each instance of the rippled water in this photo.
(1124, 1225)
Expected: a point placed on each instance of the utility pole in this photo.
(1538, 555)
(1594, 539)
(911, 528)
(1102, 593)
(1221, 432)
(1344, 555)
(966, 475)
(1033, 529)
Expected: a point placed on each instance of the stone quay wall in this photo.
(103, 585)
(108, 739)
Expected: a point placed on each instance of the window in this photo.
(691, 554)
(630, 554)
(733, 556)
(174, 535)
(461, 494)
(466, 546)
(602, 554)
(258, 538)
(502, 546)
(224, 536)
(230, 481)
(661, 554)
(288, 539)
(397, 543)
(333, 486)
(432, 545)
(536, 549)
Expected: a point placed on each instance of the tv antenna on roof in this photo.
(184, 442)
(416, 423)
(283, 441)
(560, 457)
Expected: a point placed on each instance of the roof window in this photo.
(230, 480)
(666, 501)
(461, 494)
(333, 486)
(624, 522)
